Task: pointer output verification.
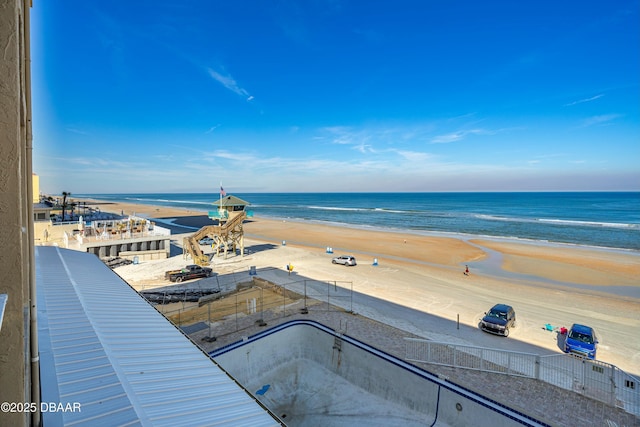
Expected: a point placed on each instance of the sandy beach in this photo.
(545, 283)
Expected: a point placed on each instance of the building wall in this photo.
(16, 225)
(54, 234)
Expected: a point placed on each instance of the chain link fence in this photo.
(254, 301)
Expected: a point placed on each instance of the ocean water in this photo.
(607, 219)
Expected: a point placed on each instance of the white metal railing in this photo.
(592, 378)
(127, 234)
(159, 231)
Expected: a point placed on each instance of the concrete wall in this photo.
(315, 378)
(55, 233)
(144, 255)
(16, 213)
(150, 247)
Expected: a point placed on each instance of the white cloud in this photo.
(229, 83)
(388, 170)
(373, 139)
(445, 139)
(580, 101)
(91, 163)
(212, 128)
(358, 140)
(78, 131)
(228, 155)
(601, 119)
(363, 148)
(458, 135)
(414, 156)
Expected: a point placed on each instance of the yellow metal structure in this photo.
(227, 235)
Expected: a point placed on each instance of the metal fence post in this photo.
(584, 377)
(305, 293)
(612, 380)
(262, 304)
(351, 298)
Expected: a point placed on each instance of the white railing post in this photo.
(612, 381)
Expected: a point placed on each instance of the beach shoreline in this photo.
(586, 266)
(182, 217)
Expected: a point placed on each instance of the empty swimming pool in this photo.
(309, 375)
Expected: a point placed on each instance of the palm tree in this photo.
(65, 194)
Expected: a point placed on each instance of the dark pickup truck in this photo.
(189, 272)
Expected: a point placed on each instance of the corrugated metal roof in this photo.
(106, 350)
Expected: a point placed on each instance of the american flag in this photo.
(222, 192)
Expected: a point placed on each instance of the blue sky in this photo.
(311, 95)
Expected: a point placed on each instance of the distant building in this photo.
(41, 212)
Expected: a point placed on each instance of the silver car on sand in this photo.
(344, 260)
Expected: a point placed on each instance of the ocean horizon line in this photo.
(364, 192)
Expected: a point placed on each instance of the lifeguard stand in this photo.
(228, 207)
(227, 234)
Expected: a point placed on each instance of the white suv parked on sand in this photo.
(344, 260)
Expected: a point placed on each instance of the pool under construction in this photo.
(311, 375)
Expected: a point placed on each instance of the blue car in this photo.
(581, 340)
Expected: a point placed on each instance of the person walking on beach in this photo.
(466, 270)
